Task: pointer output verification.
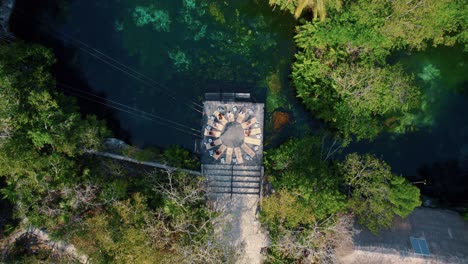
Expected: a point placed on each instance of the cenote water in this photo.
(187, 46)
(435, 150)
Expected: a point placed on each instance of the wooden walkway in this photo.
(232, 146)
(146, 163)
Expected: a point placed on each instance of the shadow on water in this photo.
(241, 42)
(26, 24)
(447, 181)
(435, 150)
(211, 41)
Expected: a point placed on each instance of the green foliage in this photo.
(174, 156)
(179, 157)
(350, 89)
(105, 239)
(301, 215)
(417, 24)
(38, 157)
(286, 209)
(129, 231)
(319, 7)
(341, 71)
(42, 116)
(85, 200)
(276, 97)
(296, 166)
(147, 154)
(403, 196)
(377, 195)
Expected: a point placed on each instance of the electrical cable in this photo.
(66, 86)
(131, 113)
(131, 69)
(135, 74)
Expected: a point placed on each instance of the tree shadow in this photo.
(28, 24)
(448, 181)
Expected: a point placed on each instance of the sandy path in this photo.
(245, 230)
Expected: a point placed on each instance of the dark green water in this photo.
(436, 150)
(185, 46)
(220, 43)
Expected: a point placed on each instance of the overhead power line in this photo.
(124, 69)
(68, 87)
(108, 60)
(134, 114)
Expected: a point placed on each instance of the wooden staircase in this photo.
(233, 179)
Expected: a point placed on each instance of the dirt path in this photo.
(244, 229)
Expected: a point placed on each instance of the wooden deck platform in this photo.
(232, 146)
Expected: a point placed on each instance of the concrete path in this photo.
(445, 231)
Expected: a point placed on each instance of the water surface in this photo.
(181, 46)
(435, 150)
(186, 46)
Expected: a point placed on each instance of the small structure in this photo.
(419, 246)
(232, 146)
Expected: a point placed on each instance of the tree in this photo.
(45, 136)
(179, 157)
(376, 194)
(179, 229)
(285, 209)
(415, 24)
(318, 7)
(305, 216)
(322, 242)
(366, 96)
(349, 51)
(86, 200)
(350, 88)
(8, 103)
(296, 166)
(125, 242)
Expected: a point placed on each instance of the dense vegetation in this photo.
(111, 211)
(116, 212)
(310, 214)
(345, 74)
(342, 72)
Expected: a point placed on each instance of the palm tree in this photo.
(318, 7)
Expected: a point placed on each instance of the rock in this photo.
(280, 119)
(114, 143)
